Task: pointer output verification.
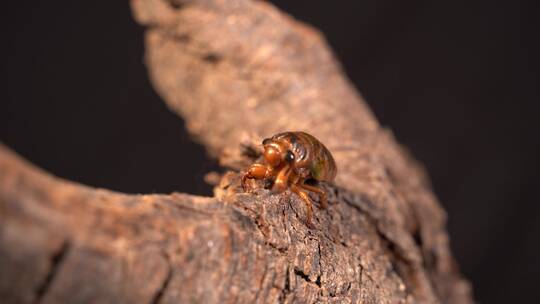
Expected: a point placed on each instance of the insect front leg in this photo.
(282, 179)
(256, 171)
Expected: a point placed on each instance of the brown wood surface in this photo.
(236, 71)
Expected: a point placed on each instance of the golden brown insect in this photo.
(290, 159)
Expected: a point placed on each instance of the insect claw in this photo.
(244, 183)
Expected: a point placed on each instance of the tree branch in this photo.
(236, 71)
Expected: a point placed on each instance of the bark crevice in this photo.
(56, 260)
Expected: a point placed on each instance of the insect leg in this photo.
(321, 192)
(256, 171)
(282, 179)
(307, 200)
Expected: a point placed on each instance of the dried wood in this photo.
(236, 71)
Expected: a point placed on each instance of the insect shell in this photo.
(303, 152)
(289, 160)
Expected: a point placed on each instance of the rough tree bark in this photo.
(236, 71)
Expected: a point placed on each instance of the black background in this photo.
(456, 82)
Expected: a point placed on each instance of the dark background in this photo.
(456, 82)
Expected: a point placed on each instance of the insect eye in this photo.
(289, 156)
(266, 141)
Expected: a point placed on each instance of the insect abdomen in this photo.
(322, 165)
